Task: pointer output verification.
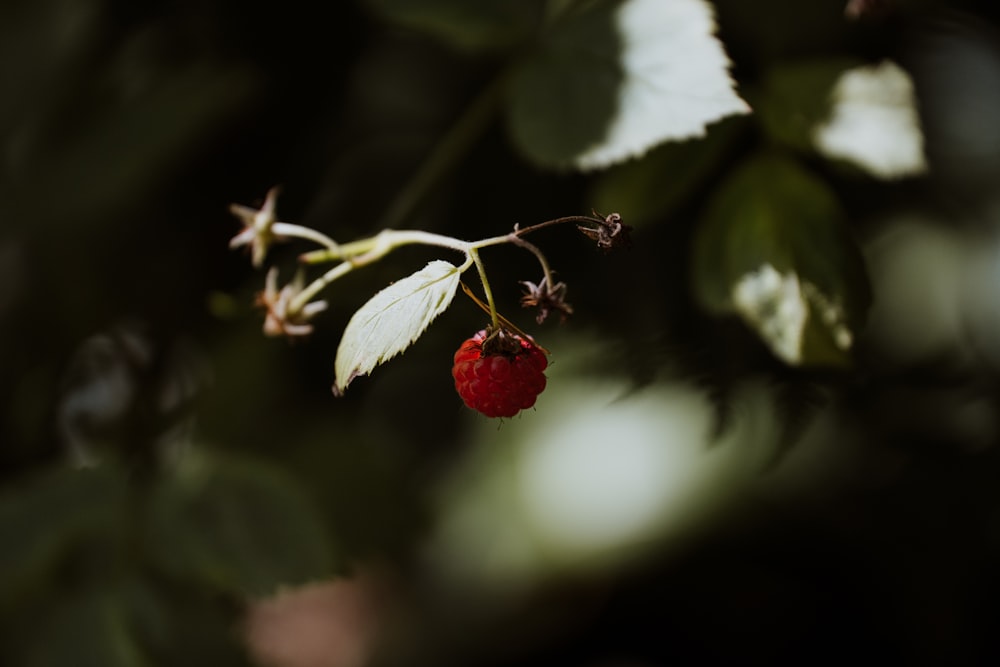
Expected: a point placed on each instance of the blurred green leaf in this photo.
(613, 80)
(88, 630)
(181, 626)
(562, 97)
(60, 35)
(123, 622)
(650, 188)
(238, 526)
(115, 152)
(795, 97)
(773, 246)
(470, 26)
(43, 518)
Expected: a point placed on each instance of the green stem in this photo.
(382, 243)
(366, 251)
(494, 316)
(446, 154)
(288, 230)
(316, 286)
(403, 237)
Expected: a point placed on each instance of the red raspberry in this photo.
(502, 379)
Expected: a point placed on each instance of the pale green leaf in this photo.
(612, 81)
(393, 319)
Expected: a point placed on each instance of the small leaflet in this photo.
(393, 319)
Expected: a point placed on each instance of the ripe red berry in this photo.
(500, 374)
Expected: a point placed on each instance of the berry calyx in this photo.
(499, 373)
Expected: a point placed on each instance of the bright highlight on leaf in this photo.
(780, 308)
(393, 319)
(774, 305)
(676, 79)
(874, 123)
(613, 82)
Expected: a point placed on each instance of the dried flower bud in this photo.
(610, 233)
(546, 298)
(280, 319)
(257, 232)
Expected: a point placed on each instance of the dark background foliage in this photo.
(218, 465)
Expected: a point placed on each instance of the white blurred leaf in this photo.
(608, 475)
(611, 83)
(393, 319)
(874, 123)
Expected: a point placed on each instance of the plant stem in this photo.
(395, 238)
(531, 247)
(383, 242)
(366, 251)
(316, 286)
(287, 230)
(494, 317)
(557, 221)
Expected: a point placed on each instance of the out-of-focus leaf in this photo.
(650, 188)
(89, 630)
(874, 123)
(773, 247)
(123, 622)
(611, 81)
(563, 97)
(865, 115)
(471, 26)
(795, 97)
(120, 150)
(237, 526)
(43, 518)
(59, 35)
(175, 626)
(393, 319)
(605, 473)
